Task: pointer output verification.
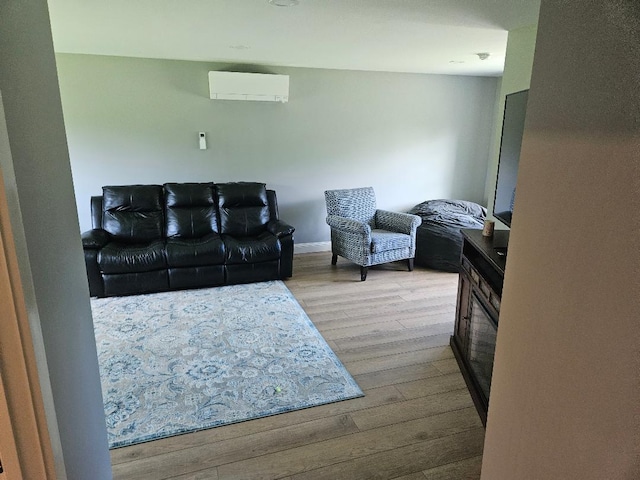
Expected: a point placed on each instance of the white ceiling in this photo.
(421, 36)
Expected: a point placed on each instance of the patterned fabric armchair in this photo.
(367, 236)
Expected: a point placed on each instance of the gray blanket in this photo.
(439, 241)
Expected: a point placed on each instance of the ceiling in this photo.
(420, 36)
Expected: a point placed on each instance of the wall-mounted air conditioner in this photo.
(248, 86)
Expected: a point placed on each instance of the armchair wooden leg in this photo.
(363, 274)
(410, 262)
(334, 259)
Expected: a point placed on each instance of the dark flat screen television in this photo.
(515, 109)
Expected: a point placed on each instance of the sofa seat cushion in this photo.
(132, 258)
(383, 240)
(195, 252)
(261, 248)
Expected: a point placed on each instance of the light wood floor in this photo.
(416, 420)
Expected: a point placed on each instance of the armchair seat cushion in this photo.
(118, 257)
(262, 248)
(195, 252)
(383, 240)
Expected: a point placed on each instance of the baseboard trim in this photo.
(312, 247)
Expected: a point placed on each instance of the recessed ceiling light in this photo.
(284, 3)
(239, 47)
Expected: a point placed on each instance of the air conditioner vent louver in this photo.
(248, 86)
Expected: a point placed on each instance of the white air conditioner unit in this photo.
(248, 86)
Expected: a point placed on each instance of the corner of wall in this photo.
(50, 255)
(518, 65)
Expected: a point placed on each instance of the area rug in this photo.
(183, 361)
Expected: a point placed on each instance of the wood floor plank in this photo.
(447, 316)
(444, 293)
(447, 365)
(207, 474)
(395, 308)
(400, 360)
(410, 317)
(415, 408)
(307, 282)
(388, 305)
(329, 322)
(411, 476)
(367, 329)
(395, 376)
(357, 445)
(401, 461)
(393, 348)
(345, 303)
(467, 469)
(211, 455)
(329, 316)
(438, 384)
(392, 336)
(381, 294)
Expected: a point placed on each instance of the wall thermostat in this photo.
(203, 140)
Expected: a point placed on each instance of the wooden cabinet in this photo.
(477, 312)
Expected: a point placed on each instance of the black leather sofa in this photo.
(153, 238)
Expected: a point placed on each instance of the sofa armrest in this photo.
(92, 242)
(95, 239)
(348, 225)
(279, 228)
(398, 222)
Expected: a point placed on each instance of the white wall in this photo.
(42, 208)
(412, 137)
(565, 393)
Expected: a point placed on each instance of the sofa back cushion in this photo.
(133, 213)
(244, 209)
(190, 210)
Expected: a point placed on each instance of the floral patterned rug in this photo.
(184, 361)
